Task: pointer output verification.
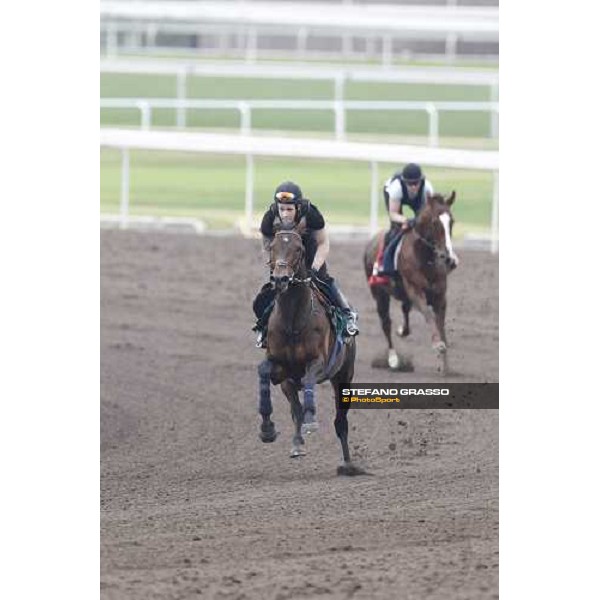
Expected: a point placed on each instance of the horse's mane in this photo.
(438, 198)
(299, 227)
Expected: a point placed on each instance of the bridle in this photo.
(284, 263)
(439, 255)
(294, 280)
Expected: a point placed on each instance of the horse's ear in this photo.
(429, 199)
(301, 227)
(451, 198)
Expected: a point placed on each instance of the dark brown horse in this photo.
(302, 348)
(422, 263)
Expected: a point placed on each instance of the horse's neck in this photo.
(294, 303)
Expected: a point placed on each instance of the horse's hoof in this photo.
(267, 433)
(403, 331)
(400, 363)
(297, 453)
(440, 347)
(350, 470)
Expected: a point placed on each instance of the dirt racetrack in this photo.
(193, 505)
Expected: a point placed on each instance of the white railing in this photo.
(339, 76)
(479, 23)
(250, 147)
(283, 70)
(339, 108)
(250, 20)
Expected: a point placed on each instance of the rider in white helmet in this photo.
(406, 188)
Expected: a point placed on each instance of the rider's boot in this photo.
(261, 339)
(340, 300)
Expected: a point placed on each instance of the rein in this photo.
(441, 255)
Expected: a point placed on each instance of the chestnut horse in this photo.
(422, 263)
(302, 348)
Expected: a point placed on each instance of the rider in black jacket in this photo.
(289, 206)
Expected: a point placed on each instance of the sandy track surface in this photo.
(194, 505)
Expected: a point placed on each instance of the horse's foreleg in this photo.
(265, 407)
(442, 350)
(291, 393)
(433, 319)
(440, 313)
(309, 422)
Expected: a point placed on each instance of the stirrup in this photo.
(351, 325)
(261, 340)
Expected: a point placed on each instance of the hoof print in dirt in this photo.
(350, 470)
(405, 364)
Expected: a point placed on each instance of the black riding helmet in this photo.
(288, 193)
(412, 172)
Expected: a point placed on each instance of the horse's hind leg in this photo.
(382, 298)
(404, 329)
(345, 375)
(291, 392)
(265, 407)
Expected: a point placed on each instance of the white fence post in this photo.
(245, 118)
(339, 107)
(251, 45)
(434, 134)
(495, 213)
(494, 117)
(124, 187)
(374, 197)
(145, 114)
(301, 42)
(112, 41)
(249, 189)
(386, 51)
(181, 96)
(340, 84)
(346, 45)
(340, 119)
(451, 42)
